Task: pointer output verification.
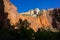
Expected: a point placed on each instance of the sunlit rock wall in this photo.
(12, 12)
(37, 18)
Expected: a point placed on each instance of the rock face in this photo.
(55, 18)
(37, 18)
(12, 12)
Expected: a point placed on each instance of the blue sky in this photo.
(25, 5)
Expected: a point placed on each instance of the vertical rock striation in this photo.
(37, 18)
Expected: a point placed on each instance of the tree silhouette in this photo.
(23, 23)
(24, 33)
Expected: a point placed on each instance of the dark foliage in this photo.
(24, 32)
(56, 18)
(46, 35)
(27, 34)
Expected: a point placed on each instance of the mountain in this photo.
(37, 18)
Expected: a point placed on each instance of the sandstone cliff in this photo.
(37, 18)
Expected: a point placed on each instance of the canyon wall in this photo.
(12, 12)
(37, 18)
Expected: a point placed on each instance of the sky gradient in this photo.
(25, 5)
